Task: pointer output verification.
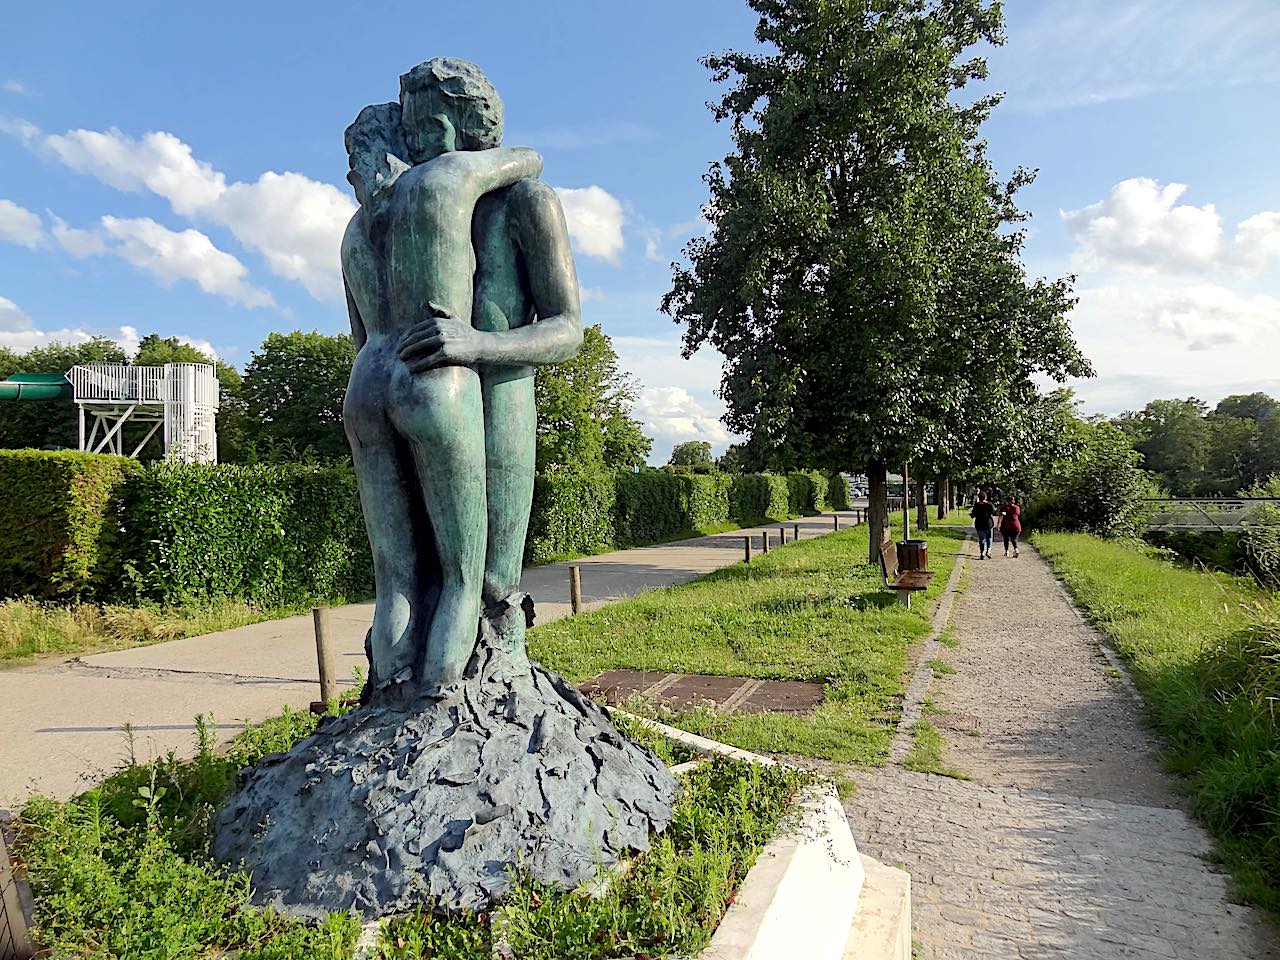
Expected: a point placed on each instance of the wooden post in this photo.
(14, 941)
(782, 535)
(940, 494)
(324, 656)
(575, 587)
(764, 539)
(795, 532)
(835, 521)
(906, 504)
(746, 549)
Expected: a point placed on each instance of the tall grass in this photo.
(1204, 649)
(30, 628)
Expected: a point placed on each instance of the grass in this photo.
(123, 871)
(926, 752)
(30, 629)
(813, 610)
(1204, 650)
(941, 668)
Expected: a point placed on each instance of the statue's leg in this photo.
(510, 425)
(387, 490)
(442, 417)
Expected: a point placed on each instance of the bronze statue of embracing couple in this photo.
(455, 251)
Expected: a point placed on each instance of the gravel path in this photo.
(1067, 841)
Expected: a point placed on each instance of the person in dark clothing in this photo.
(983, 513)
(1010, 524)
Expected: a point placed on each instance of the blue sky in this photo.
(181, 171)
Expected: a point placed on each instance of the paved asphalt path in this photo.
(61, 723)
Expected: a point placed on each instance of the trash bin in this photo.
(913, 555)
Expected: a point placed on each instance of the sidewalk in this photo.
(61, 724)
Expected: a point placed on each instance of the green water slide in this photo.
(35, 386)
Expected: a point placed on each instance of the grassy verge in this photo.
(123, 871)
(813, 610)
(1204, 650)
(31, 629)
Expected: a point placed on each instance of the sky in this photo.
(179, 169)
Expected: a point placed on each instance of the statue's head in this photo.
(375, 149)
(448, 104)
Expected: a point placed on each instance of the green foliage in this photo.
(584, 411)
(806, 492)
(266, 534)
(573, 514)
(691, 453)
(1261, 541)
(292, 390)
(838, 493)
(654, 506)
(48, 423)
(154, 350)
(59, 509)
(1204, 649)
(759, 496)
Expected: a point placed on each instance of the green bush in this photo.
(838, 493)
(271, 533)
(1099, 491)
(58, 509)
(573, 514)
(1261, 541)
(658, 505)
(758, 496)
(806, 492)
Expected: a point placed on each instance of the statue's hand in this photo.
(439, 340)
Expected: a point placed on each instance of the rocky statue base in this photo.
(411, 800)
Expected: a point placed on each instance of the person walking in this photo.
(1010, 524)
(983, 513)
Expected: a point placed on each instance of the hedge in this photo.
(838, 493)
(266, 534)
(110, 529)
(58, 509)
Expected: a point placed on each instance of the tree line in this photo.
(287, 404)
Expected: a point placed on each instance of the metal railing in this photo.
(121, 383)
(1207, 513)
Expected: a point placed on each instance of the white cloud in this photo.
(294, 222)
(1207, 316)
(18, 332)
(19, 225)
(595, 218)
(204, 346)
(170, 255)
(79, 243)
(13, 86)
(1140, 225)
(672, 415)
(27, 132)
(1072, 53)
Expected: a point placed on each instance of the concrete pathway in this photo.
(1068, 841)
(61, 723)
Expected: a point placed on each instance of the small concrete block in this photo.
(881, 928)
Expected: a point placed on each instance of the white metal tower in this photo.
(181, 398)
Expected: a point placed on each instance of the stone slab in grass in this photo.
(681, 691)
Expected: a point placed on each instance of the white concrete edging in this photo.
(800, 897)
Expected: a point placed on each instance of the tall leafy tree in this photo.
(861, 280)
(49, 423)
(584, 411)
(293, 388)
(691, 453)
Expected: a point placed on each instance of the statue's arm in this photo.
(543, 239)
(486, 170)
(358, 332)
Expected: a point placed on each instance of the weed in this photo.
(941, 668)
(926, 752)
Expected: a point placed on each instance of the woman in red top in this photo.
(1010, 524)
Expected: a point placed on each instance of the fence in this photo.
(14, 943)
(1207, 513)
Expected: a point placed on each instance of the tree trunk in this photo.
(941, 491)
(877, 507)
(922, 506)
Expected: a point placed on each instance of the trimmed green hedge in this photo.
(573, 514)
(57, 507)
(838, 493)
(266, 534)
(110, 529)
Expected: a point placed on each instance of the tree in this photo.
(584, 411)
(691, 453)
(49, 423)
(861, 269)
(293, 388)
(1173, 438)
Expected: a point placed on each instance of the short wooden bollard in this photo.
(324, 658)
(782, 536)
(575, 587)
(835, 521)
(746, 549)
(795, 532)
(764, 541)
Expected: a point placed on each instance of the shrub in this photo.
(806, 492)
(59, 508)
(758, 496)
(573, 514)
(656, 505)
(838, 493)
(266, 534)
(1261, 540)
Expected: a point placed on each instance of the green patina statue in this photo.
(440, 411)
(467, 764)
